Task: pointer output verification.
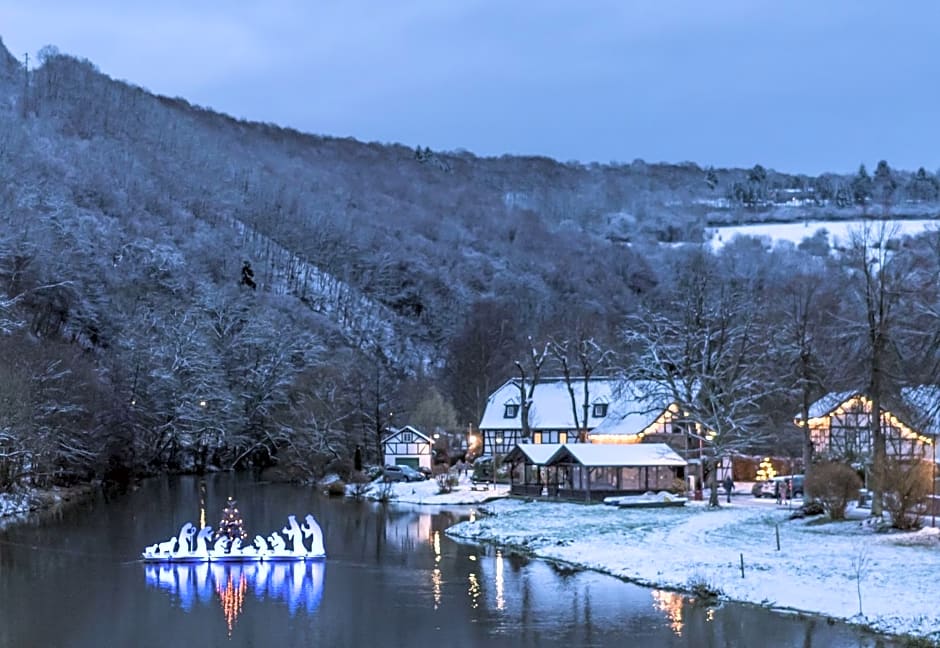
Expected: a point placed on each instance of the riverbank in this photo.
(16, 506)
(428, 492)
(843, 570)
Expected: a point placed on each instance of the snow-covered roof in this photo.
(551, 404)
(533, 453)
(918, 407)
(923, 405)
(616, 454)
(828, 403)
(394, 432)
(638, 405)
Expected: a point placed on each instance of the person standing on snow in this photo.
(728, 484)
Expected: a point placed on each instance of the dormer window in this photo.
(600, 410)
(511, 411)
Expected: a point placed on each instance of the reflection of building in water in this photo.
(670, 603)
(294, 583)
(232, 597)
(409, 530)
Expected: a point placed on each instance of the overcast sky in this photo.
(799, 86)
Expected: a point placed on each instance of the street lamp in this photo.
(499, 442)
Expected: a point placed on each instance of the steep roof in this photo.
(637, 406)
(551, 404)
(918, 407)
(923, 408)
(827, 403)
(610, 454)
(393, 432)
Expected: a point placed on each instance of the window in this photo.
(511, 410)
(600, 410)
(407, 437)
(536, 437)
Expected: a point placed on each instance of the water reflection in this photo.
(396, 579)
(670, 604)
(296, 584)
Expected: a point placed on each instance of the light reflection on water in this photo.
(671, 605)
(417, 585)
(296, 584)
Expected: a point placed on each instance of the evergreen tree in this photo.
(884, 184)
(711, 178)
(248, 276)
(861, 186)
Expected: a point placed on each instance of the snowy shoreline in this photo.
(818, 570)
(16, 507)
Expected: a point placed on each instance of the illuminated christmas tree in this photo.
(766, 470)
(231, 525)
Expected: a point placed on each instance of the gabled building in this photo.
(407, 446)
(551, 414)
(840, 425)
(617, 412)
(589, 471)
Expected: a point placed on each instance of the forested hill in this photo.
(128, 218)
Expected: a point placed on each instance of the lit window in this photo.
(562, 437)
(600, 410)
(511, 410)
(537, 437)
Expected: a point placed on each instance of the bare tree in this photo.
(882, 284)
(590, 358)
(805, 330)
(701, 349)
(530, 369)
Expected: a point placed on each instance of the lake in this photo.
(392, 578)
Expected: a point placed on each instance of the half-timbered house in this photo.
(840, 425)
(553, 417)
(407, 446)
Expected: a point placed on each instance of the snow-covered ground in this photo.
(13, 503)
(820, 568)
(839, 231)
(426, 492)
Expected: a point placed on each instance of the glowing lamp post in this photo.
(499, 442)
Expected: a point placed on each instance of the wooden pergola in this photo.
(592, 471)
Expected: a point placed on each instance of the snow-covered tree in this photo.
(700, 345)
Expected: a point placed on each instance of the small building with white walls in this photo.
(407, 446)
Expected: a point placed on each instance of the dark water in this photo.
(392, 578)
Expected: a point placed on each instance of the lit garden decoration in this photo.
(298, 542)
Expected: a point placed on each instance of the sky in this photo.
(800, 86)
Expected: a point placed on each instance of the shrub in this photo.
(443, 483)
(360, 489)
(342, 466)
(702, 588)
(678, 487)
(336, 488)
(907, 485)
(386, 492)
(833, 485)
